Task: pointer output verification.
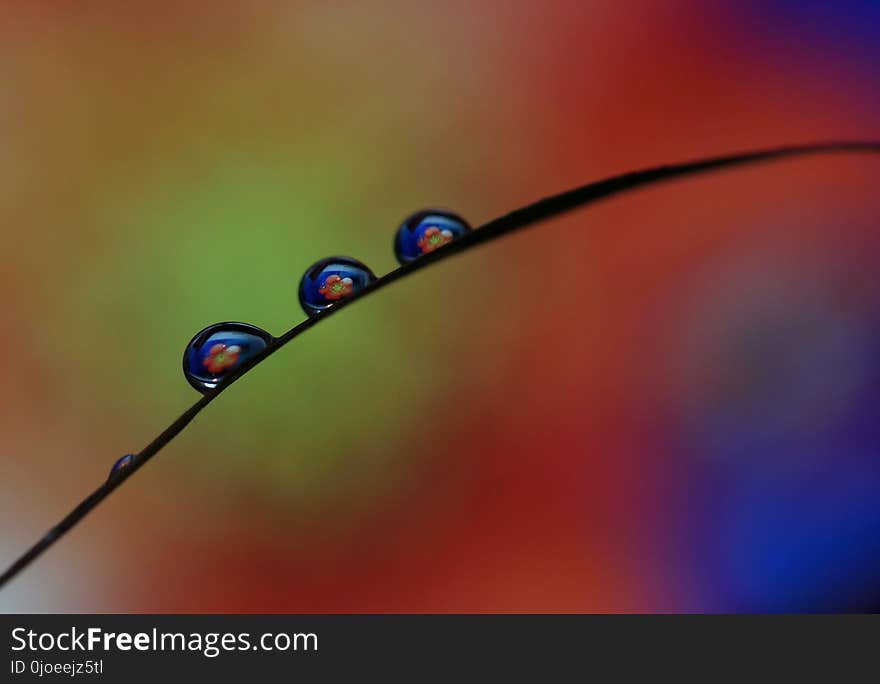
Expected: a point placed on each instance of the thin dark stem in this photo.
(515, 220)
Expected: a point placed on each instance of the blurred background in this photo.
(666, 402)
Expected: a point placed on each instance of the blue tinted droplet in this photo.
(218, 350)
(123, 462)
(425, 231)
(330, 280)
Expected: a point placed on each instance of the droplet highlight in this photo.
(121, 464)
(218, 350)
(426, 231)
(330, 280)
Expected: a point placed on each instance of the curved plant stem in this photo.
(515, 220)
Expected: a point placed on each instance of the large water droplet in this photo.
(426, 231)
(123, 462)
(218, 350)
(330, 280)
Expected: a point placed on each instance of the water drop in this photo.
(218, 350)
(330, 280)
(123, 462)
(426, 231)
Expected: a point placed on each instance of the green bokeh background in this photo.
(479, 437)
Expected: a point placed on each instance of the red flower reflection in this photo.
(336, 287)
(220, 358)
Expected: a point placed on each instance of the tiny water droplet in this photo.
(123, 462)
(218, 350)
(425, 231)
(330, 280)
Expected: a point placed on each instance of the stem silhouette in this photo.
(518, 219)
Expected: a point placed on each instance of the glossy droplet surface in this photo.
(218, 350)
(426, 231)
(123, 462)
(330, 280)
